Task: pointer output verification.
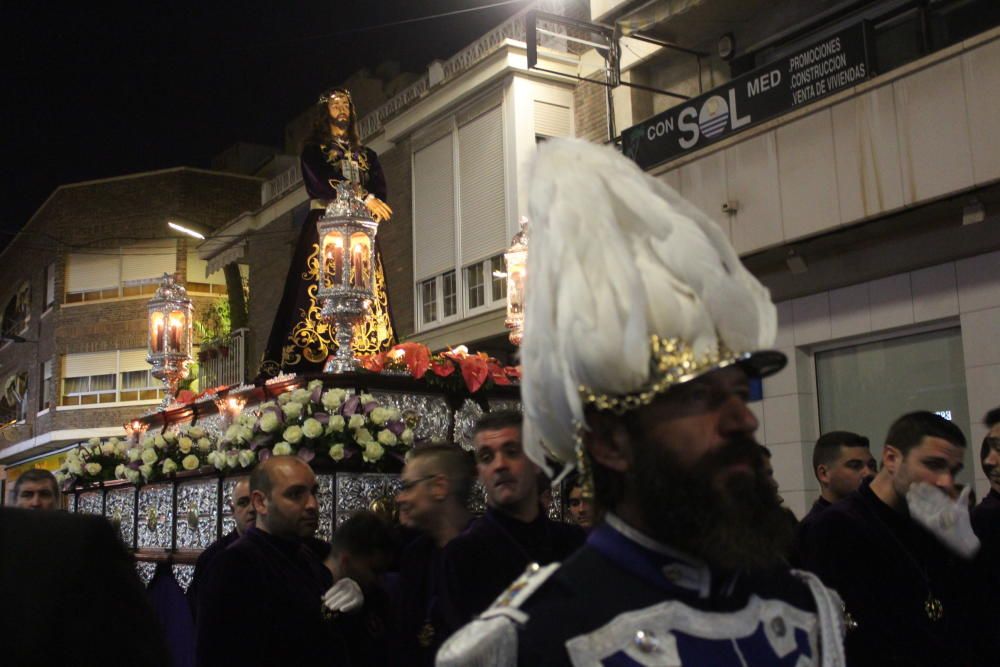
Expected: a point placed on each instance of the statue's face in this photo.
(339, 108)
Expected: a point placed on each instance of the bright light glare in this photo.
(184, 230)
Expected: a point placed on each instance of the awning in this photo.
(231, 254)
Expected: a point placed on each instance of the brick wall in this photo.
(102, 214)
(590, 103)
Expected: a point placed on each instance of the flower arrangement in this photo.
(158, 456)
(352, 431)
(455, 369)
(335, 427)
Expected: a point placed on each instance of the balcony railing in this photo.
(224, 364)
(280, 184)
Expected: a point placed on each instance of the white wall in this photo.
(918, 133)
(966, 292)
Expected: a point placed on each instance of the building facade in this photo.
(848, 151)
(75, 284)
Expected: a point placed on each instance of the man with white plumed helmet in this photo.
(642, 334)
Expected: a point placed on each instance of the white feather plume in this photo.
(615, 256)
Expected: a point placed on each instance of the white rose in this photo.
(146, 471)
(113, 440)
(300, 395)
(232, 433)
(75, 467)
(133, 454)
(204, 444)
(313, 384)
(196, 432)
(373, 452)
(108, 449)
(232, 458)
(379, 416)
(284, 398)
(246, 457)
(311, 429)
(60, 477)
(120, 471)
(94, 442)
(190, 462)
(149, 456)
(333, 398)
(357, 421)
(169, 466)
(185, 444)
(170, 436)
(336, 424)
(292, 410)
(292, 435)
(159, 441)
(406, 437)
(366, 399)
(217, 459)
(387, 437)
(337, 452)
(246, 434)
(282, 449)
(149, 441)
(362, 435)
(394, 413)
(132, 475)
(121, 447)
(269, 422)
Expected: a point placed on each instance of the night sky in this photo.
(94, 89)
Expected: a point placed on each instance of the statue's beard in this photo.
(730, 518)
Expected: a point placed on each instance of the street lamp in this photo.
(170, 314)
(346, 270)
(516, 259)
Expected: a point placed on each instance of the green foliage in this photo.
(215, 324)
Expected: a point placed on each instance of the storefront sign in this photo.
(837, 62)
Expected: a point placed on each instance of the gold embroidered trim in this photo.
(312, 337)
(672, 361)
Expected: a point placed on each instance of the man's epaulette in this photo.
(491, 638)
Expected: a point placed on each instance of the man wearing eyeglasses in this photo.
(433, 499)
(514, 532)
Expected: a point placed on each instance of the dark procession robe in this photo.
(300, 341)
(986, 607)
(804, 526)
(481, 562)
(261, 604)
(422, 623)
(620, 584)
(885, 566)
(201, 566)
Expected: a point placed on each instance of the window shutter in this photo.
(481, 187)
(90, 363)
(552, 120)
(86, 272)
(434, 209)
(132, 360)
(148, 261)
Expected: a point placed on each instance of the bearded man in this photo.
(641, 327)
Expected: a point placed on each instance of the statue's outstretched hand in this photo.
(379, 209)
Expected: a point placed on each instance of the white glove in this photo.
(343, 596)
(946, 519)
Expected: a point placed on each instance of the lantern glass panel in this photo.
(176, 325)
(333, 259)
(361, 261)
(156, 332)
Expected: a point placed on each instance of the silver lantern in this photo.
(170, 315)
(346, 270)
(516, 259)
